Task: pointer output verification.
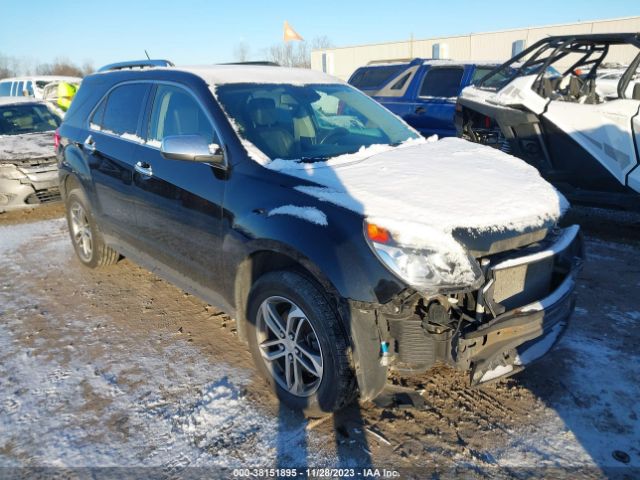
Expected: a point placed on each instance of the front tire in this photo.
(298, 344)
(86, 238)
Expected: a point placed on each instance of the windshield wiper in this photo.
(313, 159)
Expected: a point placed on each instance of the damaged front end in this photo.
(28, 182)
(514, 318)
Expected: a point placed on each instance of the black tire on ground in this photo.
(337, 387)
(99, 254)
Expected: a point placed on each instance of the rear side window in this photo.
(19, 89)
(176, 112)
(442, 82)
(122, 109)
(373, 77)
(5, 89)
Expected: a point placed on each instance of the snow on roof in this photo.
(222, 74)
(447, 61)
(46, 78)
(18, 100)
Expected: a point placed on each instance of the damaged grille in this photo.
(413, 345)
(44, 196)
(523, 284)
(31, 167)
(516, 281)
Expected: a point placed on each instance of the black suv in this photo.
(344, 244)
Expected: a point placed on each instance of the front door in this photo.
(180, 202)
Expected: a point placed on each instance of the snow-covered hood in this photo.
(29, 146)
(423, 192)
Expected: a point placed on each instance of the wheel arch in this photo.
(264, 260)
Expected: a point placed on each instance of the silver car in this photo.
(28, 169)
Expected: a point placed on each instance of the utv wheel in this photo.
(298, 344)
(85, 236)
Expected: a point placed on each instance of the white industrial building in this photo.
(489, 46)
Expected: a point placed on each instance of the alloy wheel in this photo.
(289, 346)
(81, 231)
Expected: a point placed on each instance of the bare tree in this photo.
(60, 66)
(87, 68)
(289, 54)
(13, 66)
(241, 52)
(318, 43)
(5, 67)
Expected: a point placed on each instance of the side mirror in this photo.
(191, 148)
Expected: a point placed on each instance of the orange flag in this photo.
(290, 33)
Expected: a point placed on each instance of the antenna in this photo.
(147, 54)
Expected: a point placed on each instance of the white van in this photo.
(31, 86)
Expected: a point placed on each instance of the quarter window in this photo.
(441, 82)
(176, 112)
(96, 119)
(122, 110)
(401, 83)
(5, 89)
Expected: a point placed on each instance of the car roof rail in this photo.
(136, 64)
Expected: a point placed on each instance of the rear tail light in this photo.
(56, 140)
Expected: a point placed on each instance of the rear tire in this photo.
(308, 366)
(86, 238)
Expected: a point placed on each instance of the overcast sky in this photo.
(199, 31)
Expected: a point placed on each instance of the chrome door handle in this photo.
(89, 145)
(143, 168)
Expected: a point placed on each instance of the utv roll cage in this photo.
(540, 57)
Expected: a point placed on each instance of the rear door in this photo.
(109, 148)
(433, 110)
(180, 209)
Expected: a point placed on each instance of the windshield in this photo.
(18, 119)
(309, 122)
(501, 76)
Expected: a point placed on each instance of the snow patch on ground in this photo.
(310, 214)
(591, 401)
(114, 400)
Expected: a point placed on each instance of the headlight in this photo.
(446, 268)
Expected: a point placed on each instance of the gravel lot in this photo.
(119, 368)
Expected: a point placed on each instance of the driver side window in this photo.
(176, 112)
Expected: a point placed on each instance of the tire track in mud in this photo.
(124, 303)
(458, 423)
(100, 317)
